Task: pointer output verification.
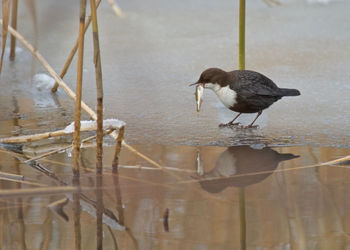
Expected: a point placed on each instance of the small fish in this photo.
(199, 96)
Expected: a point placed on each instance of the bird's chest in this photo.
(227, 96)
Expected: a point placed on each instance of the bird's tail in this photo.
(290, 92)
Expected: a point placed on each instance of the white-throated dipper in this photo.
(243, 91)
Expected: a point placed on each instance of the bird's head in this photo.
(212, 78)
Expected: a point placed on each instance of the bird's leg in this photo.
(231, 122)
(251, 125)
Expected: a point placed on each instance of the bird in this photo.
(243, 91)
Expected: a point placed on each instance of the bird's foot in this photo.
(221, 125)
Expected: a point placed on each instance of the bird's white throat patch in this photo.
(226, 95)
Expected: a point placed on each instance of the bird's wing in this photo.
(250, 83)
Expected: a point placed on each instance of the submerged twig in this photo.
(11, 176)
(58, 206)
(23, 182)
(37, 191)
(113, 238)
(117, 10)
(73, 51)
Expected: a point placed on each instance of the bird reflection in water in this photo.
(241, 166)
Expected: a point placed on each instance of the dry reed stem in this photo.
(241, 60)
(99, 87)
(6, 17)
(77, 116)
(117, 10)
(242, 218)
(14, 25)
(31, 138)
(64, 148)
(11, 193)
(73, 51)
(42, 136)
(50, 70)
(71, 93)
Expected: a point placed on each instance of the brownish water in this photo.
(288, 202)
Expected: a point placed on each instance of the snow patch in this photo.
(86, 125)
(43, 82)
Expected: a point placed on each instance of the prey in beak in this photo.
(198, 94)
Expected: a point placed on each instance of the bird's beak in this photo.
(197, 83)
